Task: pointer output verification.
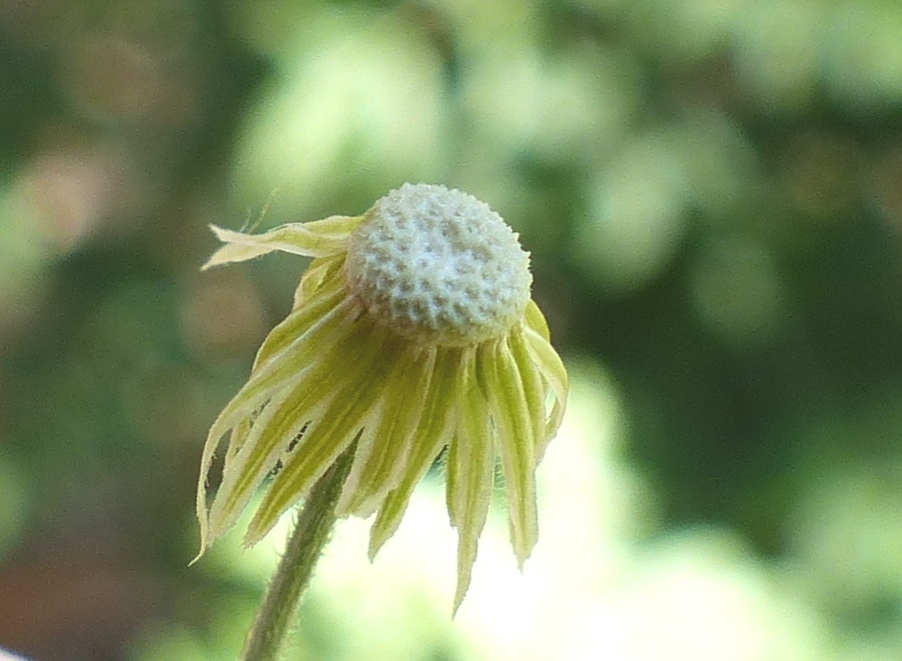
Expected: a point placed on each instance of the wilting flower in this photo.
(411, 331)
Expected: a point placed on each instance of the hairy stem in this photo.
(314, 527)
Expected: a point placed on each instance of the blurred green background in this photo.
(711, 191)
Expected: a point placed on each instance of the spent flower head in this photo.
(412, 331)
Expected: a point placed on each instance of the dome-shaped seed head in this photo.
(438, 266)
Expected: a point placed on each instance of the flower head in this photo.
(411, 331)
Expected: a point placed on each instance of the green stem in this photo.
(314, 527)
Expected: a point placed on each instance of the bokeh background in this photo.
(712, 194)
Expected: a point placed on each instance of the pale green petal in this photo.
(533, 389)
(279, 423)
(314, 239)
(383, 455)
(237, 437)
(330, 301)
(249, 400)
(432, 434)
(451, 474)
(329, 435)
(281, 364)
(553, 371)
(471, 467)
(516, 445)
(267, 441)
(322, 272)
(536, 320)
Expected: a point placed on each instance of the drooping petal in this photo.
(328, 301)
(383, 455)
(516, 444)
(533, 388)
(471, 465)
(432, 434)
(327, 436)
(314, 239)
(302, 334)
(256, 458)
(450, 464)
(239, 434)
(553, 371)
(321, 272)
(536, 320)
(279, 423)
(237, 437)
(280, 364)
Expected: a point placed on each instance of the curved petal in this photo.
(262, 385)
(553, 371)
(330, 301)
(322, 272)
(278, 425)
(536, 320)
(356, 387)
(314, 239)
(237, 437)
(516, 445)
(432, 434)
(382, 456)
(534, 389)
(471, 468)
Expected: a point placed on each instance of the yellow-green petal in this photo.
(275, 373)
(237, 438)
(533, 389)
(323, 271)
(432, 434)
(536, 320)
(381, 457)
(516, 445)
(313, 388)
(289, 351)
(328, 435)
(314, 239)
(471, 465)
(553, 371)
(328, 302)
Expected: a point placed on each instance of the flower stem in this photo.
(313, 529)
